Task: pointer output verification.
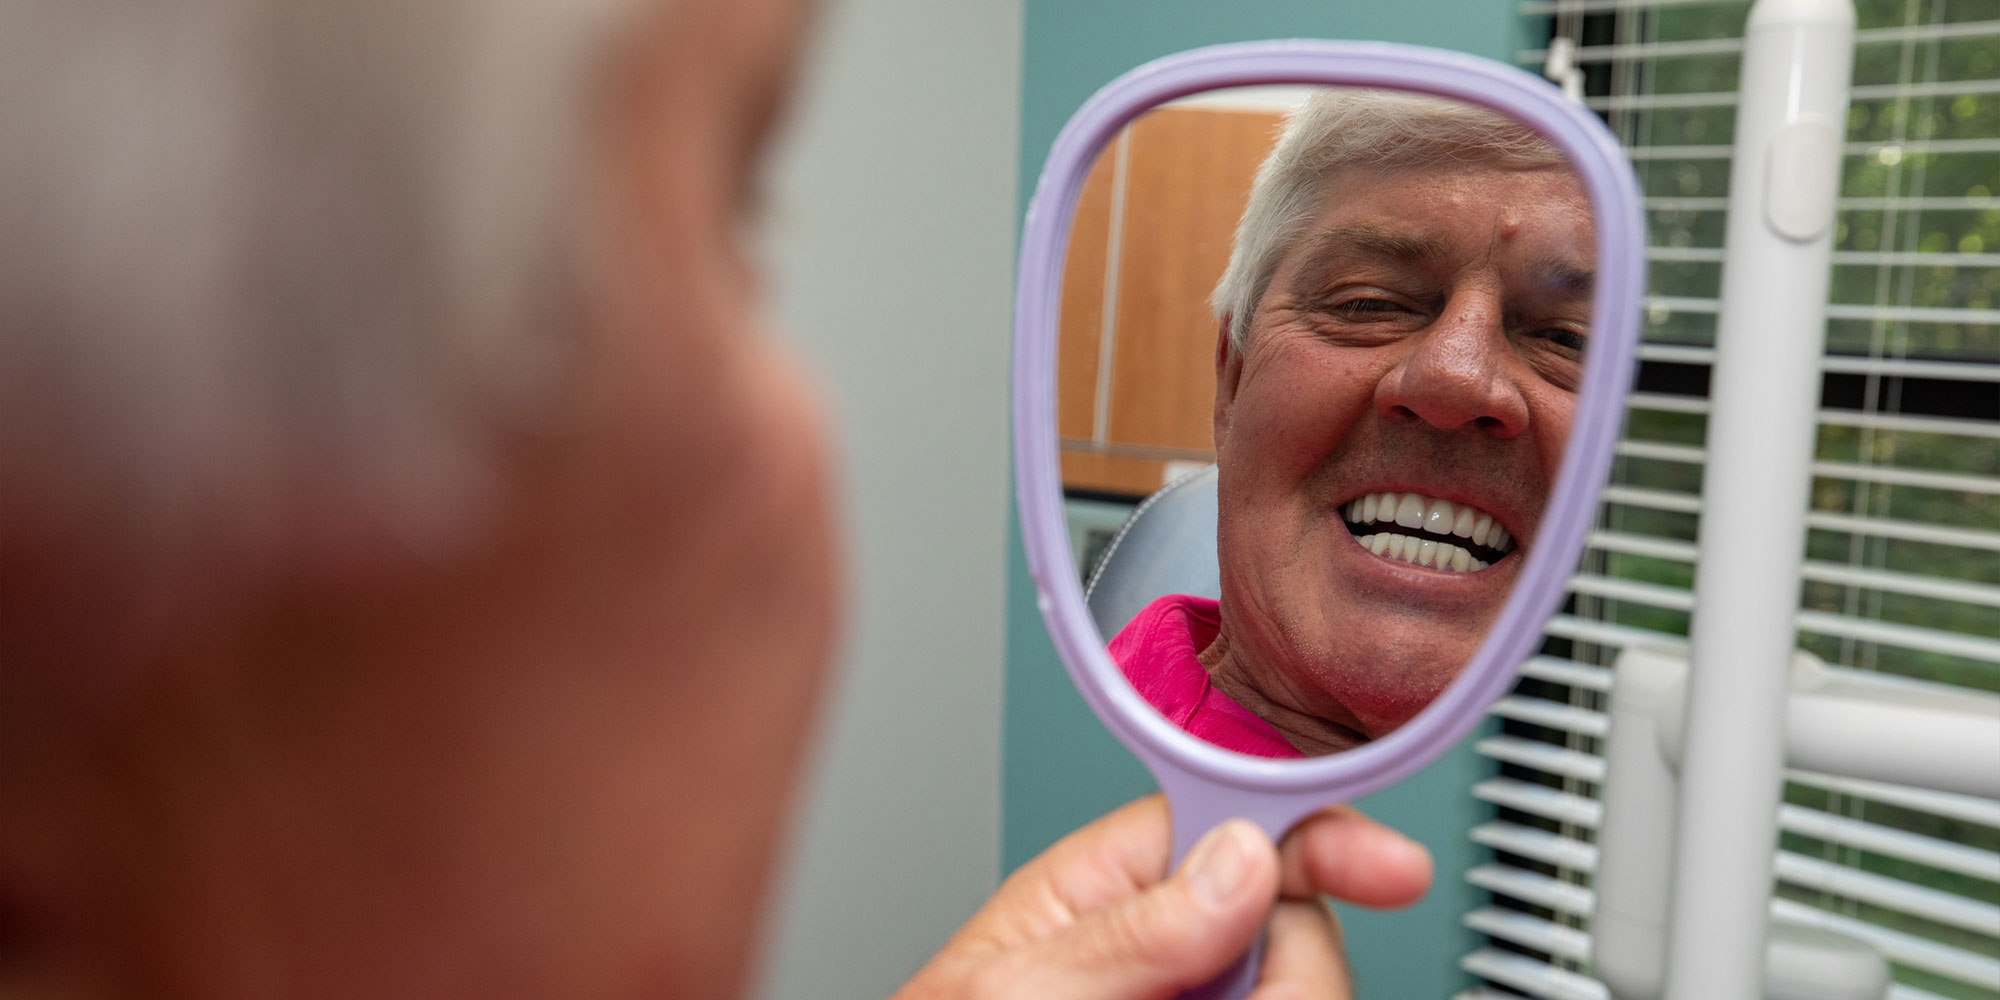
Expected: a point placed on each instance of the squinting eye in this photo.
(1356, 306)
(1564, 338)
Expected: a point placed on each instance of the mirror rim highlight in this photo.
(1609, 183)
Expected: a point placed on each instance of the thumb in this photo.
(1174, 936)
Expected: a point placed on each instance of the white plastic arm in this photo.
(1846, 724)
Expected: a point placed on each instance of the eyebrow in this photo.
(1345, 244)
(1562, 277)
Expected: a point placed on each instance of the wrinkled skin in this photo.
(1431, 344)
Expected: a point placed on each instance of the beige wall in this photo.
(891, 244)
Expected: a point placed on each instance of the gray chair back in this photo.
(1166, 547)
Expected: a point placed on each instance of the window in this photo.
(1903, 553)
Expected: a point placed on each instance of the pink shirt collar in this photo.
(1158, 650)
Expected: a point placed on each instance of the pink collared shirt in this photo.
(1157, 651)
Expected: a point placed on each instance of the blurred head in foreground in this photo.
(398, 494)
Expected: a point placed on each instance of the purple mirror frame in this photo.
(1207, 784)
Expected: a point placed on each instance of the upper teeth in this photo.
(1437, 517)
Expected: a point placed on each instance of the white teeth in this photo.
(1438, 517)
(1410, 510)
(1422, 552)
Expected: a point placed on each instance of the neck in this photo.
(1309, 734)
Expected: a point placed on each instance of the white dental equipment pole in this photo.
(1790, 121)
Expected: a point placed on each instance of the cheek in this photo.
(1302, 408)
(1553, 417)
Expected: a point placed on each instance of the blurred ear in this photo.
(1228, 369)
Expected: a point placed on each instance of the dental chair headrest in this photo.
(1166, 547)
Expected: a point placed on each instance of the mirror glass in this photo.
(1349, 326)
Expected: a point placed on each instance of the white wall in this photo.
(890, 244)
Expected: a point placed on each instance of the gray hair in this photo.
(260, 248)
(1343, 127)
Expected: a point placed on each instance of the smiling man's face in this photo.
(1388, 436)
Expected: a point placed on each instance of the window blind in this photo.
(1902, 572)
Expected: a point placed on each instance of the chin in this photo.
(1396, 685)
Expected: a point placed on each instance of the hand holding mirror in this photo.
(1409, 376)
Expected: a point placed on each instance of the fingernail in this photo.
(1219, 860)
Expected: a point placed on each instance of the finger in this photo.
(1303, 956)
(1112, 859)
(1172, 937)
(1341, 853)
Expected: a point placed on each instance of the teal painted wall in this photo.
(1060, 768)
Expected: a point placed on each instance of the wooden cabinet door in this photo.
(1136, 386)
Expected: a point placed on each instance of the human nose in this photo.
(1456, 376)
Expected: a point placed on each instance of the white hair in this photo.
(1343, 127)
(260, 249)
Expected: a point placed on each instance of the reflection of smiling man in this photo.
(1404, 317)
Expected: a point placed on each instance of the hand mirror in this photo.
(1383, 302)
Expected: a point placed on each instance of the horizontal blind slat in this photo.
(1910, 147)
(1553, 714)
(1947, 371)
(1728, 98)
(1845, 831)
(1893, 475)
(1901, 991)
(1534, 887)
(1547, 758)
(1871, 203)
(1885, 633)
(1555, 669)
(1534, 978)
(1532, 8)
(1725, 46)
(1538, 844)
(1610, 634)
(1952, 963)
(1878, 258)
(1944, 855)
(1880, 527)
(1628, 543)
(1929, 640)
(1530, 931)
(1883, 527)
(1650, 594)
(1838, 310)
(1936, 587)
(1540, 800)
(1966, 808)
(1888, 893)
